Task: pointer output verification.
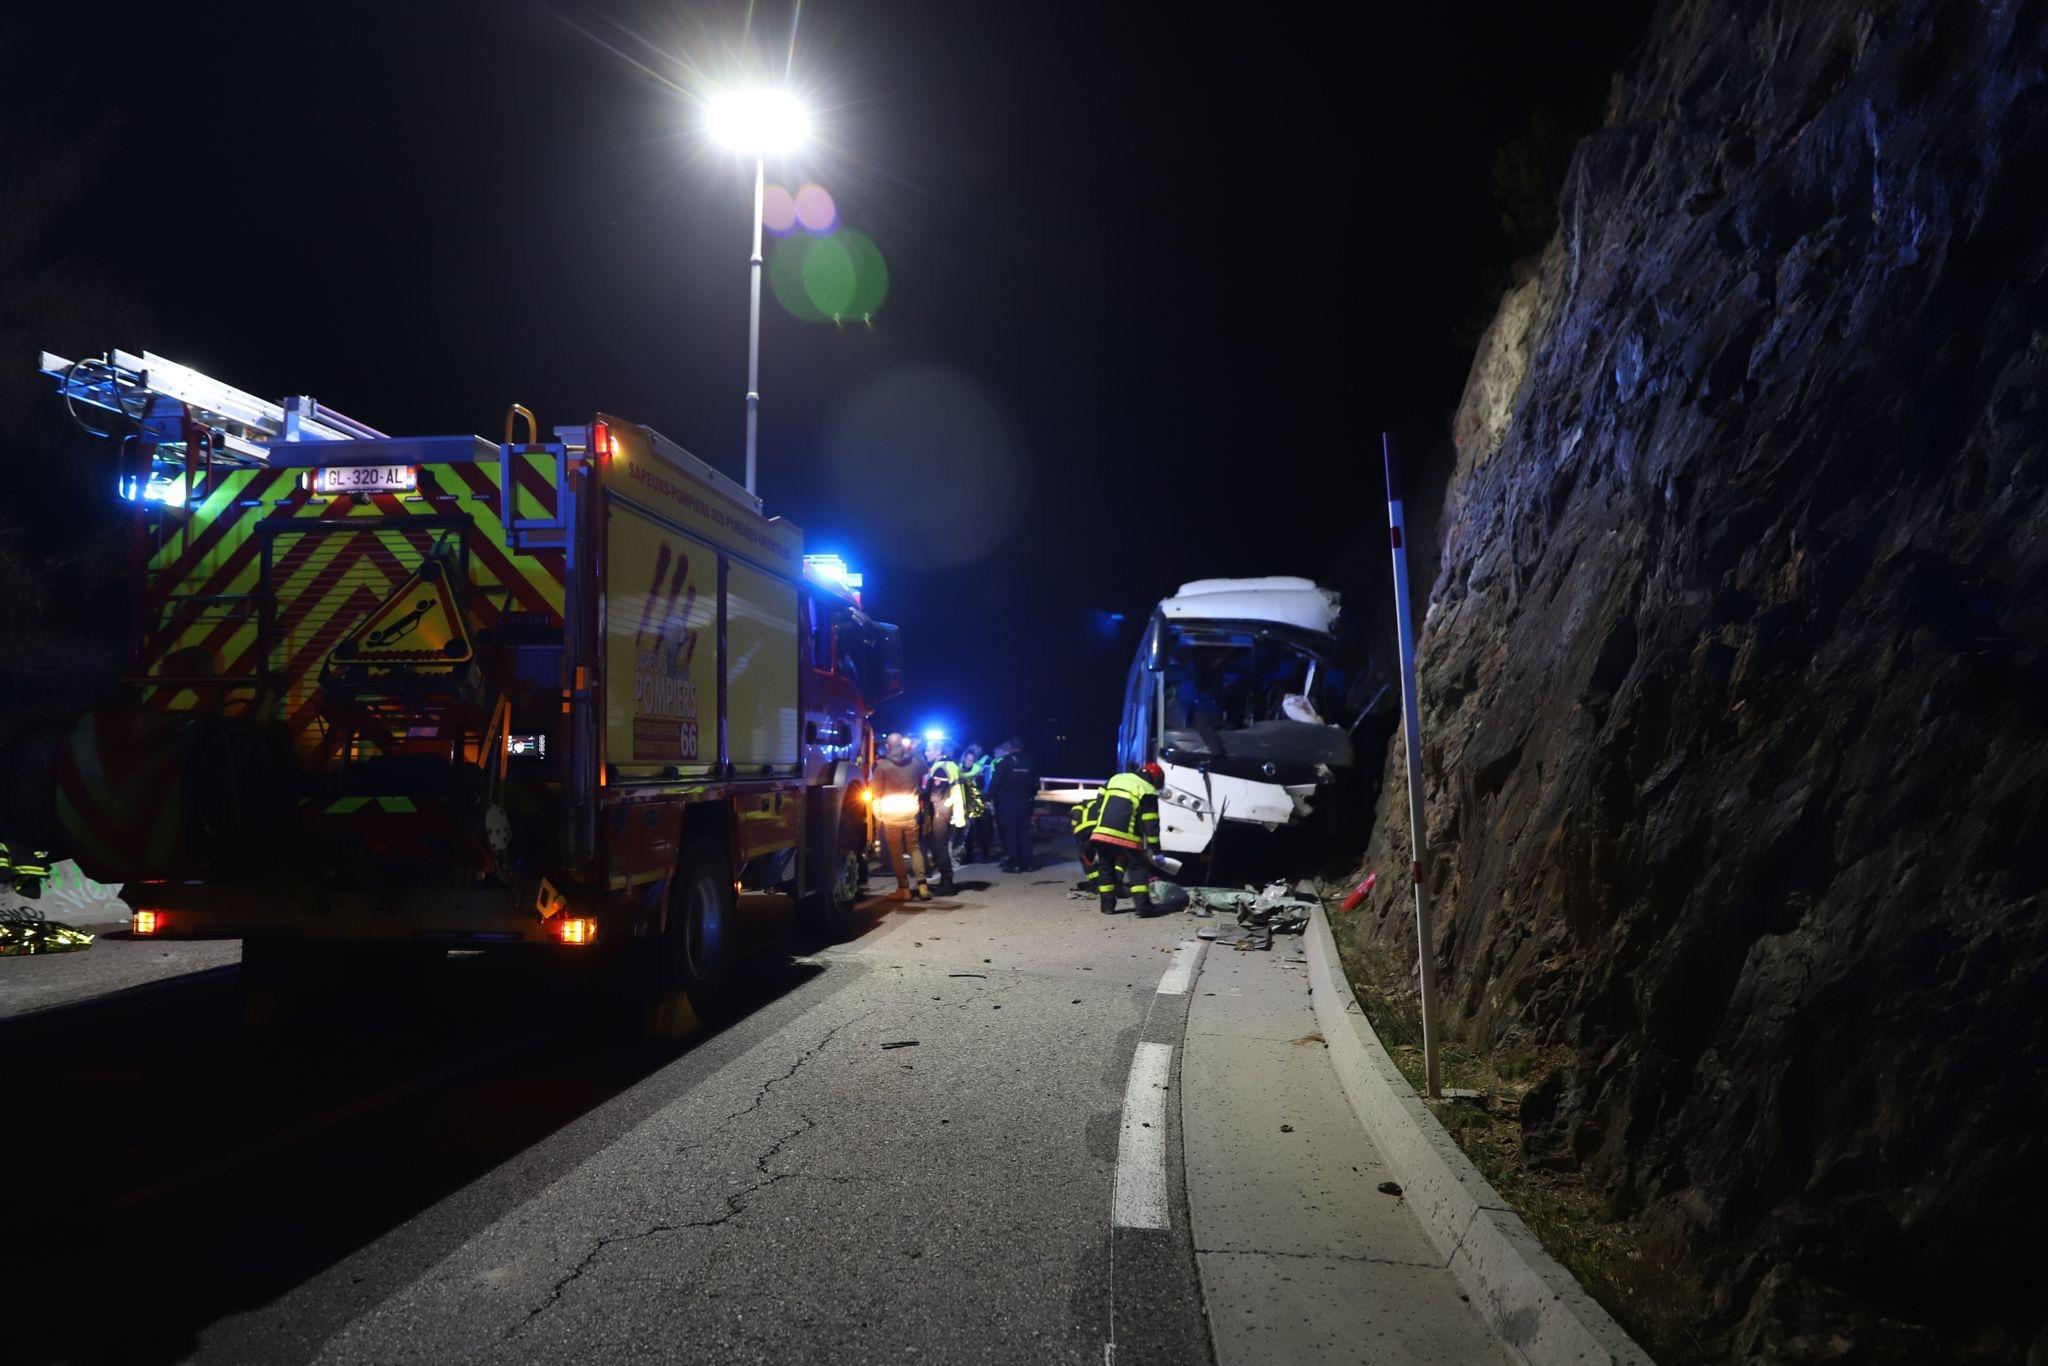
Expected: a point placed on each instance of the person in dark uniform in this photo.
(1014, 791)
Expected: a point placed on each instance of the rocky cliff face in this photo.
(1735, 674)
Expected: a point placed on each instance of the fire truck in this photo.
(570, 689)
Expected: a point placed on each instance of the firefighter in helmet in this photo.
(1084, 814)
(1126, 837)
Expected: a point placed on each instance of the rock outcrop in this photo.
(1735, 675)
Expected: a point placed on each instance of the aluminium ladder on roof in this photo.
(244, 425)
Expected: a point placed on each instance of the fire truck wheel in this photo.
(698, 944)
(833, 910)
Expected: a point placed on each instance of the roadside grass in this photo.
(1660, 1304)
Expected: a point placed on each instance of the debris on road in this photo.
(1168, 897)
(1390, 1188)
(1287, 1128)
(1276, 907)
(982, 975)
(901, 1043)
(1361, 892)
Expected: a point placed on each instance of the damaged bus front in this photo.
(1228, 692)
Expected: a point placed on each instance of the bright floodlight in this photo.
(758, 122)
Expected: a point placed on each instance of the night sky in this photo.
(1155, 282)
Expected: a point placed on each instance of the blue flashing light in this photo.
(834, 569)
(934, 734)
(169, 492)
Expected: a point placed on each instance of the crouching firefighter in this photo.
(24, 872)
(1083, 815)
(1126, 838)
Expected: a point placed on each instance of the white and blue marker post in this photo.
(1411, 730)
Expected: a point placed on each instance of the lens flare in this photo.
(841, 278)
(828, 277)
(778, 210)
(930, 462)
(816, 211)
(786, 277)
(870, 273)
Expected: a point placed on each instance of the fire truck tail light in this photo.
(575, 929)
(601, 441)
(148, 922)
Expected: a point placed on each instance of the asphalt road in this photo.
(904, 1148)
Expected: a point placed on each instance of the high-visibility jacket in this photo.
(26, 869)
(894, 784)
(1129, 816)
(945, 790)
(1084, 815)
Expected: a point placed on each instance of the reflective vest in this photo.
(1129, 815)
(945, 790)
(30, 863)
(1084, 814)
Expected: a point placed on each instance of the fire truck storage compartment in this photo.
(661, 648)
(761, 673)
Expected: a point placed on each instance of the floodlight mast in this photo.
(754, 323)
(756, 123)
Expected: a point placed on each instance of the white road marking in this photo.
(1141, 1147)
(1181, 975)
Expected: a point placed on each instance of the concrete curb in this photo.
(1535, 1306)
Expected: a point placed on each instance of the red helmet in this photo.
(1154, 774)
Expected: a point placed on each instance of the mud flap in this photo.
(670, 1016)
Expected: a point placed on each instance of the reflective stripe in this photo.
(1129, 803)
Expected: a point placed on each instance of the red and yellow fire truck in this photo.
(573, 690)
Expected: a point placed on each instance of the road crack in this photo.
(734, 1204)
(767, 1087)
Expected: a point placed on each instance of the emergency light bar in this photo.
(833, 569)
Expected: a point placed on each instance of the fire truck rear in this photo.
(572, 690)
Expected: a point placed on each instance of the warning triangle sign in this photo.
(420, 624)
